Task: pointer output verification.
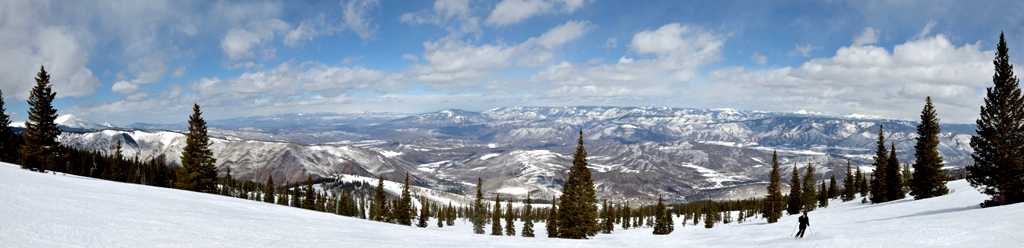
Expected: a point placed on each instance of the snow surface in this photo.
(46, 210)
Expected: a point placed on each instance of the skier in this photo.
(804, 223)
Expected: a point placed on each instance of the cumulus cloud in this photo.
(29, 42)
(872, 80)
(455, 16)
(355, 14)
(866, 37)
(804, 51)
(514, 11)
(239, 43)
(759, 59)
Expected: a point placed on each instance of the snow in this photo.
(390, 154)
(47, 210)
(485, 157)
(518, 191)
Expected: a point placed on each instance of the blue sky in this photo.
(148, 61)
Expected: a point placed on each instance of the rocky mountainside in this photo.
(636, 152)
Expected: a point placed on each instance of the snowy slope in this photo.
(46, 210)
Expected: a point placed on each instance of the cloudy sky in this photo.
(148, 61)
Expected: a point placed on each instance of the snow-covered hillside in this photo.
(47, 210)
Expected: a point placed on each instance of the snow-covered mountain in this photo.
(47, 210)
(636, 152)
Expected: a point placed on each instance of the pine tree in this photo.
(823, 197)
(878, 187)
(833, 187)
(928, 179)
(496, 217)
(450, 219)
(552, 223)
(626, 212)
(510, 215)
(795, 194)
(809, 194)
(773, 201)
(197, 171)
(268, 193)
(607, 224)
(849, 184)
(893, 178)
(662, 223)
(908, 177)
(442, 214)
(378, 209)
(309, 200)
(41, 132)
(403, 211)
(998, 168)
(528, 218)
(862, 183)
(424, 211)
(578, 210)
(8, 140)
(478, 209)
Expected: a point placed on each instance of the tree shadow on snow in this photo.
(931, 212)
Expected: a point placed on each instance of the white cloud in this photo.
(759, 59)
(28, 42)
(926, 30)
(355, 14)
(514, 11)
(612, 42)
(349, 60)
(125, 87)
(410, 57)
(455, 16)
(866, 37)
(563, 33)
(804, 50)
(870, 80)
(238, 43)
(179, 73)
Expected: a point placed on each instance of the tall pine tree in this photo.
(795, 194)
(878, 180)
(833, 187)
(197, 171)
(510, 216)
(528, 218)
(773, 204)
(378, 208)
(928, 179)
(809, 194)
(41, 131)
(403, 211)
(849, 184)
(663, 220)
(477, 216)
(893, 177)
(998, 168)
(496, 217)
(268, 192)
(862, 183)
(309, 199)
(578, 210)
(551, 225)
(8, 140)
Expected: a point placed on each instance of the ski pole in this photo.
(794, 230)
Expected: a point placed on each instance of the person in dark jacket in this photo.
(804, 223)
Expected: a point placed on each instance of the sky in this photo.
(133, 61)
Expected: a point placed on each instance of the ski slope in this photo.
(47, 210)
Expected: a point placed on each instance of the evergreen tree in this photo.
(552, 223)
(442, 215)
(450, 219)
(197, 171)
(378, 208)
(528, 218)
(928, 179)
(795, 194)
(878, 187)
(607, 224)
(8, 140)
(496, 217)
(626, 212)
(862, 183)
(578, 210)
(833, 187)
(849, 184)
(510, 215)
(773, 204)
(809, 194)
(403, 211)
(478, 209)
(424, 211)
(41, 131)
(823, 197)
(894, 180)
(662, 224)
(998, 168)
(309, 200)
(908, 177)
(268, 193)
(296, 197)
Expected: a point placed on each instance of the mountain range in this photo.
(634, 152)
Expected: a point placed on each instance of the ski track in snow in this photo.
(46, 210)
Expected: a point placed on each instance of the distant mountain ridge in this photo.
(636, 152)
